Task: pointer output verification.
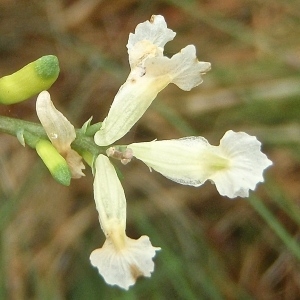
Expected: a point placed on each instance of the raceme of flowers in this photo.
(235, 166)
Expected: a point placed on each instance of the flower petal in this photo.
(123, 267)
(130, 103)
(150, 73)
(184, 68)
(235, 166)
(142, 51)
(109, 196)
(75, 163)
(154, 31)
(137, 93)
(177, 160)
(247, 164)
(59, 130)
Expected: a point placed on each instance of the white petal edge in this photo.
(247, 164)
(123, 267)
(184, 68)
(154, 31)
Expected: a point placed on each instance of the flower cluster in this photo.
(235, 166)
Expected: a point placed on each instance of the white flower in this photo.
(121, 260)
(60, 132)
(235, 166)
(123, 267)
(150, 73)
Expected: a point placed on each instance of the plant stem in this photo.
(32, 132)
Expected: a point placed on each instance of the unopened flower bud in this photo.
(35, 77)
(55, 163)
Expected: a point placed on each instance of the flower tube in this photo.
(151, 72)
(121, 260)
(235, 166)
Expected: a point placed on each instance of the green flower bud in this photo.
(56, 164)
(35, 77)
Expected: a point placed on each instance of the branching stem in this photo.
(32, 132)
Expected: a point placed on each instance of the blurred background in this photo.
(212, 247)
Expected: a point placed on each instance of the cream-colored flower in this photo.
(235, 166)
(121, 260)
(60, 132)
(151, 72)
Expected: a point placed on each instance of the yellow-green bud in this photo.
(35, 77)
(56, 164)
